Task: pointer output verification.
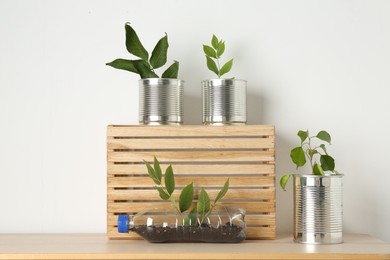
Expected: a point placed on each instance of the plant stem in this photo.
(208, 213)
(309, 155)
(151, 67)
(219, 69)
(174, 204)
(171, 199)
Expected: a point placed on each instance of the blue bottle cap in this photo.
(123, 223)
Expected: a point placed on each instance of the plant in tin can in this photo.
(146, 65)
(312, 150)
(203, 207)
(213, 54)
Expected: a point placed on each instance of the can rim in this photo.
(162, 81)
(224, 80)
(338, 175)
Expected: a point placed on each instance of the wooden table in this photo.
(97, 246)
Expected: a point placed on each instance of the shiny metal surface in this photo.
(161, 101)
(318, 209)
(224, 102)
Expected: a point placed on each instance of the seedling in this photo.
(312, 152)
(203, 207)
(213, 54)
(145, 66)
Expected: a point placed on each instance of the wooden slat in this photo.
(250, 207)
(112, 233)
(233, 194)
(250, 219)
(180, 131)
(194, 143)
(259, 220)
(206, 169)
(260, 233)
(185, 156)
(205, 181)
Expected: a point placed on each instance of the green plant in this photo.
(214, 52)
(203, 207)
(312, 148)
(145, 66)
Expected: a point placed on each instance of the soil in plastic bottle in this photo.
(205, 233)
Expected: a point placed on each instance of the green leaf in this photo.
(203, 206)
(317, 169)
(169, 180)
(283, 181)
(312, 152)
(144, 70)
(226, 68)
(211, 65)
(223, 191)
(133, 44)
(157, 168)
(209, 51)
(152, 173)
(327, 163)
(303, 135)
(324, 136)
(298, 156)
(123, 64)
(215, 42)
(186, 197)
(192, 216)
(159, 54)
(220, 49)
(172, 71)
(323, 148)
(163, 194)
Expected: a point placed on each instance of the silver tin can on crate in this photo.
(161, 101)
(224, 102)
(318, 209)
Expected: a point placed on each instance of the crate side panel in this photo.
(202, 154)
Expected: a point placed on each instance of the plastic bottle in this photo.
(223, 225)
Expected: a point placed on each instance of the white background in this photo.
(309, 65)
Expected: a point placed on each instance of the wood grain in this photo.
(191, 156)
(188, 131)
(202, 180)
(191, 143)
(152, 194)
(201, 169)
(97, 246)
(250, 207)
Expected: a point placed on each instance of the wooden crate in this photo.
(206, 155)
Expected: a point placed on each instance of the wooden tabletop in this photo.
(97, 246)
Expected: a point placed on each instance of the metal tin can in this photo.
(318, 209)
(161, 101)
(224, 102)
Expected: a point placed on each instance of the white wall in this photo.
(309, 65)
